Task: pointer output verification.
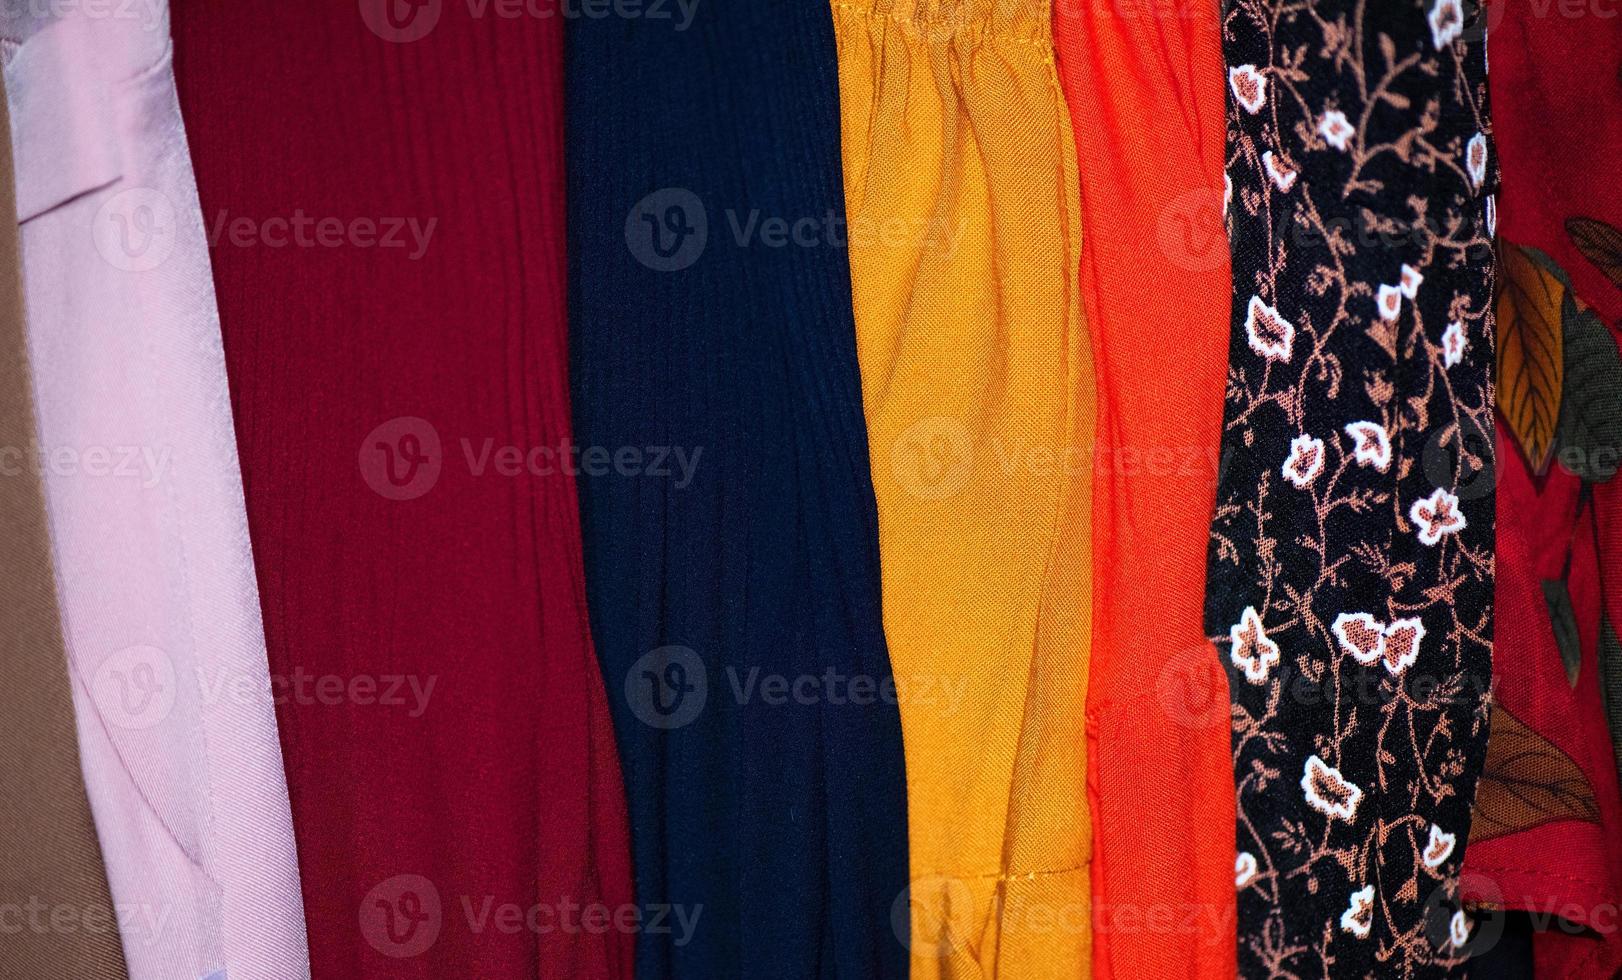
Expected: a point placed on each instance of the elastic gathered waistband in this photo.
(961, 19)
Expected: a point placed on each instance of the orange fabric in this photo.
(1144, 87)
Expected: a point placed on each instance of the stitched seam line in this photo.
(1006, 875)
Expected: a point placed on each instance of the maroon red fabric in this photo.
(474, 828)
(1548, 824)
(1547, 836)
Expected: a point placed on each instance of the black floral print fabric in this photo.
(1351, 553)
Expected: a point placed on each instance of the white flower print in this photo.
(1227, 193)
(1316, 523)
(1328, 792)
(1401, 648)
(1370, 642)
(1447, 22)
(1439, 848)
(1244, 869)
(1305, 462)
(1252, 651)
(1358, 919)
(1371, 446)
(1336, 129)
(1475, 159)
(1270, 335)
(1282, 173)
(1249, 87)
(1409, 283)
(1437, 515)
(1389, 302)
(1360, 635)
(1458, 928)
(1453, 344)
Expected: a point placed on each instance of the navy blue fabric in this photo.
(777, 817)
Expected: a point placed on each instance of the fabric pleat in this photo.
(1146, 99)
(734, 589)
(177, 731)
(50, 858)
(383, 188)
(965, 238)
(1351, 553)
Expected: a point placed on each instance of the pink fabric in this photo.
(159, 601)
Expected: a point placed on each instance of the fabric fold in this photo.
(965, 237)
(383, 186)
(1546, 840)
(49, 853)
(1351, 566)
(1146, 99)
(68, 138)
(735, 597)
(159, 602)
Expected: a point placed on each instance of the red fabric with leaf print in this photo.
(1547, 835)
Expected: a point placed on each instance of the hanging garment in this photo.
(1547, 827)
(176, 727)
(1547, 835)
(1146, 102)
(1351, 551)
(965, 238)
(385, 197)
(50, 859)
(735, 590)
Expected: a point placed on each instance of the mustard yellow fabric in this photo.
(964, 230)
